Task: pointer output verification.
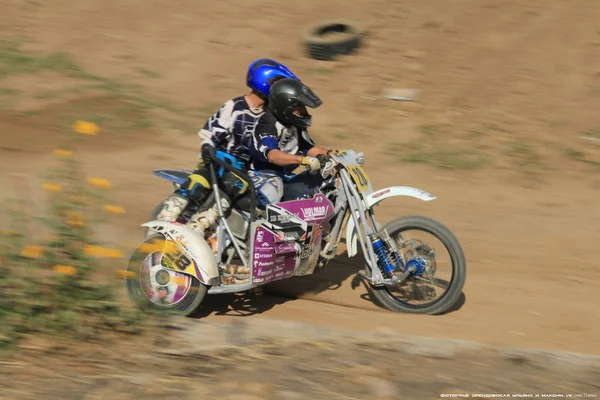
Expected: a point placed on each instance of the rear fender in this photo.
(195, 247)
(375, 198)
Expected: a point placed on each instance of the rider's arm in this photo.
(218, 126)
(265, 144)
(308, 146)
(280, 158)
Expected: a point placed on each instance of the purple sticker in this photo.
(317, 209)
(265, 263)
(279, 252)
(287, 247)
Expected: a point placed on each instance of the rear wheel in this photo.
(418, 294)
(153, 287)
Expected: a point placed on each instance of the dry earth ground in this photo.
(509, 89)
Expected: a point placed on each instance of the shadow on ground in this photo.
(332, 278)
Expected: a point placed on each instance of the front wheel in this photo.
(418, 294)
(152, 287)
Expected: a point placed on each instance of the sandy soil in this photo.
(515, 83)
(283, 360)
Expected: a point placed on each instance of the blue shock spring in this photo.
(382, 255)
(398, 259)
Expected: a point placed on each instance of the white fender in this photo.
(193, 245)
(375, 198)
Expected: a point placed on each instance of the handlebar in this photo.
(241, 174)
(300, 169)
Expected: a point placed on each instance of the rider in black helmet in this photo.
(281, 142)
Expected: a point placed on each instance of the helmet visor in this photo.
(309, 98)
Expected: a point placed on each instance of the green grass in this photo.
(574, 154)
(430, 130)
(8, 92)
(29, 113)
(523, 153)
(428, 150)
(47, 95)
(580, 156)
(320, 71)
(496, 128)
(148, 72)
(475, 134)
(14, 60)
(595, 133)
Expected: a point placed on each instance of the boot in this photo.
(203, 220)
(172, 208)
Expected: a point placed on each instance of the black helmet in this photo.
(289, 95)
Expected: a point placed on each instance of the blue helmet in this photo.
(262, 71)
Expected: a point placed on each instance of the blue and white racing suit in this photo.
(271, 179)
(229, 131)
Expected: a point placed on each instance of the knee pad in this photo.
(269, 188)
(234, 185)
(196, 186)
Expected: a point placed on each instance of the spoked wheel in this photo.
(154, 287)
(439, 268)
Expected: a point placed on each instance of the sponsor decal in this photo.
(265, 264)
(264, 248)
(260, 236)
(265, 273)
(258, 256)
(380, 193)
(285, 248)
(308, 251)
(289, 235)
(428, 195)
(315, 212)
(278, 275)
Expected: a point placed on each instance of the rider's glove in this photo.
(206, 160)
(311, 162)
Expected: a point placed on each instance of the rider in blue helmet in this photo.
(229, 131)
(261, 74)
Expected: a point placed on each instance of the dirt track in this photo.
(515, 83)
(266, 359)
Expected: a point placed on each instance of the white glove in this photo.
(311, 162)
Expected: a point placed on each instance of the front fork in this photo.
(388, 259)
